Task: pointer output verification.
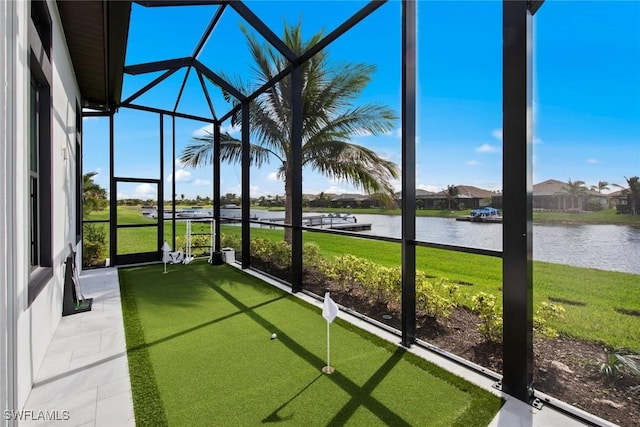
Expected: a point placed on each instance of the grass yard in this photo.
(200, 353)
(598, 303)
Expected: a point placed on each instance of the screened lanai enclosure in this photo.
(241, 92)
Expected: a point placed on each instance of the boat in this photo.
(486, 214)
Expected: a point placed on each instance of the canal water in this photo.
(605, 247)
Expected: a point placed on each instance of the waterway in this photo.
(605, 247)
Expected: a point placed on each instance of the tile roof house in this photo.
(554, 195)
(468, 197)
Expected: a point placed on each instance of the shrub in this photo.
(435, 297)
(312, 259)
(93, 244)
(544, 313)
(348, 271)
(485, 305)
(619, 362)
(230, 241)
(199, 244)
(277, 254)
(490, 315)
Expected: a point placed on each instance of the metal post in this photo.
(173, 181)
(517, 187)
(216, 182)
(160, 209)
(295, 180)
(113, 200)
(246, 199)
(408, 172)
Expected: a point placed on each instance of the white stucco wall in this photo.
(7, 267)
(36, 323)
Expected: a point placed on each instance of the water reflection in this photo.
(605, 247)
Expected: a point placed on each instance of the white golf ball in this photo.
(274, 336)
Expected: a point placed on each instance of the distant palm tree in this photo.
(329, 119)
(575, 190)
(602, 185)
(451, 192)
(94, 197)
(633, 194)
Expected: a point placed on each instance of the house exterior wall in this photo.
(26, 329)
(8, 22)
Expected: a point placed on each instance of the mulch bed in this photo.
(565, 368)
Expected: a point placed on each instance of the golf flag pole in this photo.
(329, 312)
(165, 255)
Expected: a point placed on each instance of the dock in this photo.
(490, 220)
(339, 222)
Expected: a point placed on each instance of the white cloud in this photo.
(201, 182)
(593, 161)
(145, 191)
(273, 176)
(141, 191)
(232, 130)
(473, 163)
(203, 131)
(181, 176)
(487, 148)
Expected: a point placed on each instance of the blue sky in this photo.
(586, 91)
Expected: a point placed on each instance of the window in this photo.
(39, 151)
(34, 160)
(79, 177)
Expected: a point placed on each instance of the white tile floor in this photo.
(86, 373)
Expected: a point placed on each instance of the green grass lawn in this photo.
(598, 304)
(200, 353)
(595, 296)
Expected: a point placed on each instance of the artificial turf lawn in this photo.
(200, 353)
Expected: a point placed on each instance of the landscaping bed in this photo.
(565, 368)
(568, 369)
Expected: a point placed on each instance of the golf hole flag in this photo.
(329, 308)
(166, 256)
(329, 312)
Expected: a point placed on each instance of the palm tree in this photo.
(602, 185)
(633, 193)
(329, 119)
(451, 192)
(575, 189)
(94, 197)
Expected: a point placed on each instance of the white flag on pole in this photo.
(329, 308)
(166, 249)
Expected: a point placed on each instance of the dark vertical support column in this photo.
(295, 179)
(113, 200)
(517, 187)
(246, 199)
(161, 188)
(408, 172)
(173, 181)
(216, 182)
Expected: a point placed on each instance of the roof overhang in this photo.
(96, 32)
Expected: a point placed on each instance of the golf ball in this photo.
(274, 336)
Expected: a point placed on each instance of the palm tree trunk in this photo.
(288, 209)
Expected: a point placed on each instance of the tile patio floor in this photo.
(85, 370)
